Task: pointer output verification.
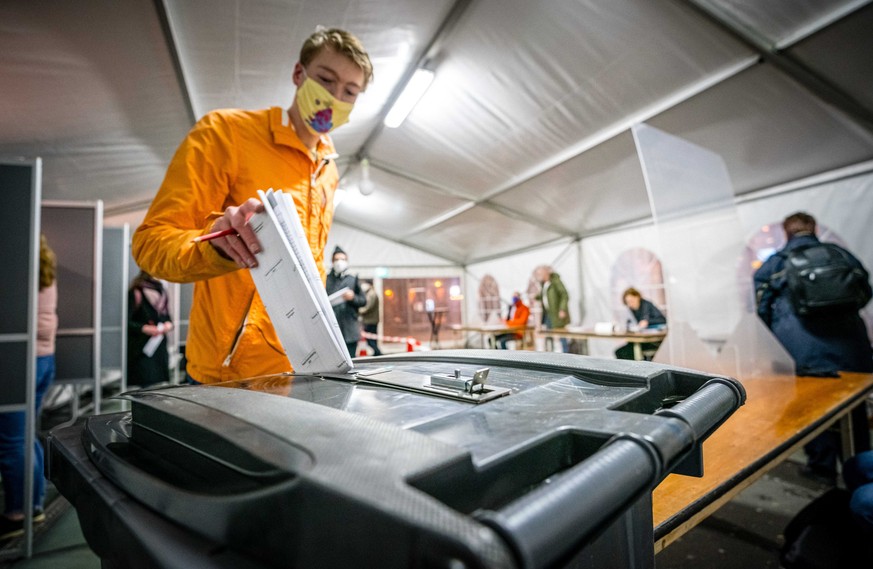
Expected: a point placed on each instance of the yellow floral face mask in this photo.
(321, 112)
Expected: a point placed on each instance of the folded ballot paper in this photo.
(337, 298)
(289, 283)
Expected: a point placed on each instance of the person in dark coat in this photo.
(148, 322)
(346, 309)
(819, 345)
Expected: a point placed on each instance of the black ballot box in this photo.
(446, 459)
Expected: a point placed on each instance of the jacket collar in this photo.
(283, 133)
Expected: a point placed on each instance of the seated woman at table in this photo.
(646, 315)
(517, 316)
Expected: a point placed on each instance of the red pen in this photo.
(214, 235)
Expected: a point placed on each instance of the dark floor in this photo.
(745, 533)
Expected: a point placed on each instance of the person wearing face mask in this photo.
(353, 298)
(211, 185)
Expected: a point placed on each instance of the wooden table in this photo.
(584, 334)
(781, 414)
(494, 330)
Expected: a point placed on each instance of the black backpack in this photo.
(823, 279)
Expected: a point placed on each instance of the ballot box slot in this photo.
(459, 384)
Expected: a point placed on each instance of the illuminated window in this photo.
(406, 303)
(641, 269)
(489, 299)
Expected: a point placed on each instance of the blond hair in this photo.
(342, 42)
(47, 263)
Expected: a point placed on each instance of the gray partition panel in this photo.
(70, 231)
(75, 230)
(110, 351)
(16, 188)
(13, 387)
(114, 298)
(186, 298)
(73, 356)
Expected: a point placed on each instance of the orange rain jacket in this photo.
(519, 317)
(226, 157)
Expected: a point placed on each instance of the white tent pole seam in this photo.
(173, 49)
(790, 66)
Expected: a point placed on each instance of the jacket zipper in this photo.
(239, 333)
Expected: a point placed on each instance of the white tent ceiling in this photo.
(523, 139)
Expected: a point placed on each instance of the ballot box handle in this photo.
(556, 518)
(708, 407)
(544, 526)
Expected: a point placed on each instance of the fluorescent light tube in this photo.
(413, 91)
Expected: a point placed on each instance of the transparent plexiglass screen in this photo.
(701, 242)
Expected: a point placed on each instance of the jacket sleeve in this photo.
(195, 192)
(360, 298)
(136, 313)
(765, 292)
(519, 318)
(563, 297)
(867, 290)
(372, 298)
(652, 314)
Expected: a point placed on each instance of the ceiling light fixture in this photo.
(366, 185)
(411, 94)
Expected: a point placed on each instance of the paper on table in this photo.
(293, 294)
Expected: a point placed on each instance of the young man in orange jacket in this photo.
(211, 185)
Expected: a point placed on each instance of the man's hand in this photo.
(242, 247)
(349, 295)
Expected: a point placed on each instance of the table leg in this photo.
(638, 351)
(850, 423)
(847, 435)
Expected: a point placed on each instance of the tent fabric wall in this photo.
(515, 272)
(366, 250)
(845, 206)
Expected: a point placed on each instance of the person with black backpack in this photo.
(809, 294)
